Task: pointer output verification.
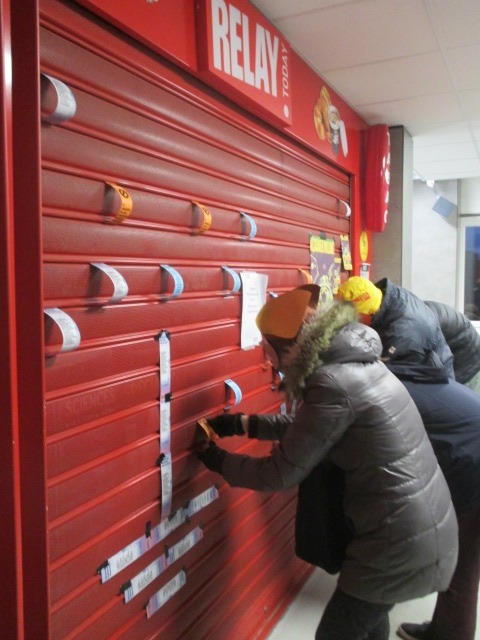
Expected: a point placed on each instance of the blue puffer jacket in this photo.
(451, 415)
(413, 343)
(462, 338)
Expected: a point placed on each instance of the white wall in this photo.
(469, 203)
(434, 250)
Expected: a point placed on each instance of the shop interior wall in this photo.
(434, 243)
(418, 248)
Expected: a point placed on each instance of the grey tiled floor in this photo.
(301, 619)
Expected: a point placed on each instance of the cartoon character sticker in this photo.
(329, 124)
(324, 266)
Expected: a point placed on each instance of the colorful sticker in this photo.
(126, 203)
(363, 243)
(325, 267)
(346, 253)
(206, 220)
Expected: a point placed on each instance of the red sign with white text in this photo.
(244, 57)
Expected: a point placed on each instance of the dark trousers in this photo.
(455, 614)
(348, 618)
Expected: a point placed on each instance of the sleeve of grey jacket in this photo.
(269, 426)
(323, 416)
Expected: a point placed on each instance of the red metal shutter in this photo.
(166, 139)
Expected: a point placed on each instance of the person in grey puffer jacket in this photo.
(354, 412)
(464, 342)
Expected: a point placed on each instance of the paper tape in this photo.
(348, 210)
(159, 599)
(69, 329)
(237, 392)
(120, 286)
(177, 280)
(167, 484)
(66, 105)
(236, 282)
(129, 554)
(252, 224)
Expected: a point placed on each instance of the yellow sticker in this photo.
(126, 203)
(363, 246)
(209, 432)
(206, 217)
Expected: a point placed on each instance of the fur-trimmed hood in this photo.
(333, 335)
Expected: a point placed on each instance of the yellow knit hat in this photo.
(362, 293)
(282, 317)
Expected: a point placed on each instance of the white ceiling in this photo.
(414, 63)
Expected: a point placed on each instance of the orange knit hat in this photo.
(283, 317)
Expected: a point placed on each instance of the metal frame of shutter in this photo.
(169, 140)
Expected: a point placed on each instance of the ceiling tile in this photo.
(413, 110)
(475, 127)
(331, 38)
(420, 75)
(456, 21)
(470, 103)
(430, 133)
(414, 63)
(464, 64)
(444, 170)
(441, 152)
(286, 8)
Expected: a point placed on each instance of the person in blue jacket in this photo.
(450, 411)
(451, 415)
(409, 330)
(464, 341)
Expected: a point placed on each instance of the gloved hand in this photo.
(212, 456)
(227, 424)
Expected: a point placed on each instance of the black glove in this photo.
(212, 457)
(227, 424)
